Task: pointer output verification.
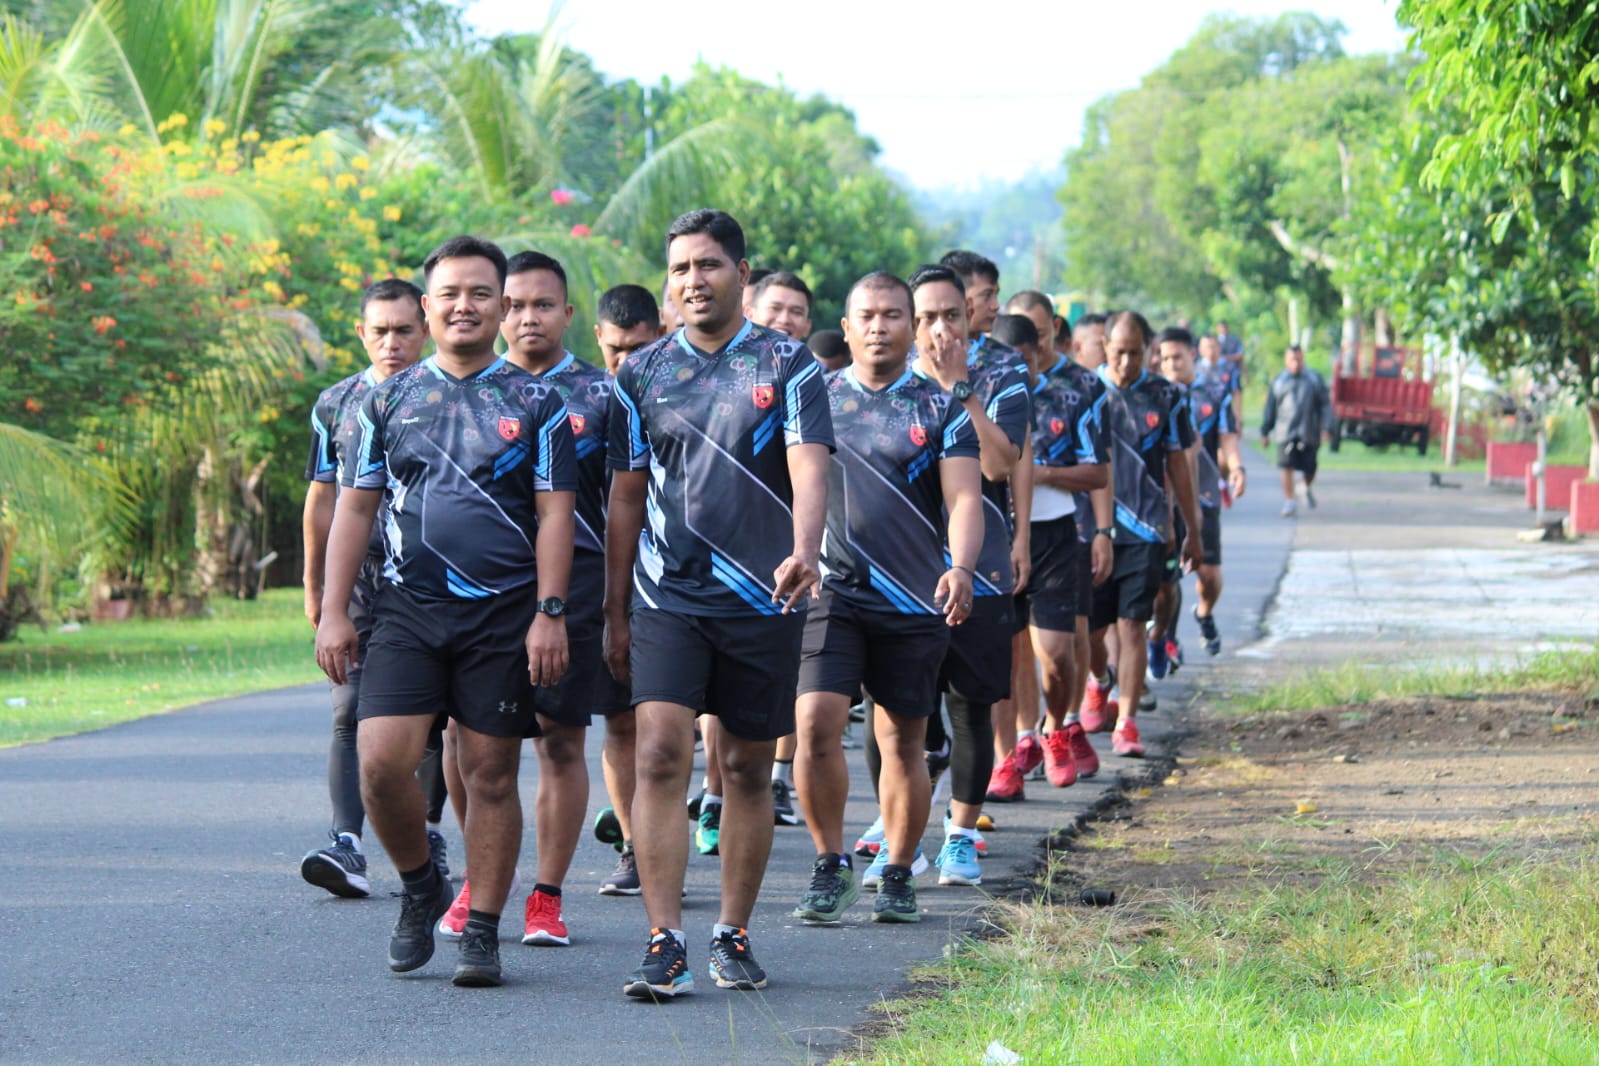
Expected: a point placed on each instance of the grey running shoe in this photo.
(411, 944)
(479, 965)
(733, 965)
(624, 879)
(783, 805)
(664, 972)
(341, 869)
(896, 897)
(831, 892)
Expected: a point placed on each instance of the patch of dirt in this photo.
(1372, 786)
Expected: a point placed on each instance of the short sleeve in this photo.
(807, 417)
(1180, 424)
(323, 462)
(627, 445)
(958, 438)
(555, 467)
(1092, 433)
(1011, 406)
(367, 467)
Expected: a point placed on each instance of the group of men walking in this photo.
(717, 527)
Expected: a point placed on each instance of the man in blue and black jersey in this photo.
(719, 450)
(393, 330)
(1148, 429)
(471, 460)
(1222, 375)
(906, 453)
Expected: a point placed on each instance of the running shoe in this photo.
(542, 924)
(896, 897)
(1125, 739)
(985, 822)
(341, 868)
(957, 862)
(1059, 766)
(1098, 710)
(694, 806)
(454, 920)
(1174, 655)
(1147, 701)
(783, 804)
(871, 841)
(708, 834)
(874, 873)
(664, 972)
(937, 763)
(1288, 509)
(624, 879)
(439, 853)
(1005, 784)
(831, 891)
(1029, 754)
(1083, 753)
(977, 836)
(1208, 630)
(608, 828)
(1159, 664)
(411, 943)
(479, 964)
(1310, 498)
(733, 965)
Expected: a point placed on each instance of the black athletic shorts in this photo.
(1297, 455)
(465, 658)
(363, 595)
(1139, 569)
(588, 689)
(1056, 575)
(895, 656)
(742, 669)
(1210, 535)
(978, 663)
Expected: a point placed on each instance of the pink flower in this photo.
(560, 197)
(581, 230)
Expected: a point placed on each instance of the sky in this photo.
(955, 93)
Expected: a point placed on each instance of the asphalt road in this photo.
(153, 911)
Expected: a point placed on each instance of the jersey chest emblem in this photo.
(918, 436)
(1056, 426)
(510, 427)
(578, 422)
(1206, 409)
(763, 396)
(1152, 420)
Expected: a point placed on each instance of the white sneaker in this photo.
(1288, 509)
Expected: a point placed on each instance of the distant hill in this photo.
(1016, 224)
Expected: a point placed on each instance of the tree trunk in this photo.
(210, 524)
(1592, 409)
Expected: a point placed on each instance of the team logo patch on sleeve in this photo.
(578, 422)
(763, 396)
(510, 427)
(1151, 419)
(918, 436)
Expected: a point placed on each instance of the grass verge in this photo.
(113, 672)
(1552, 671)
(1459, 961)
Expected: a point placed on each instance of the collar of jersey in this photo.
(744, 331)
(1104, 375)
(430, 363)
(369, 377)
(560, 368)
(1060, 361)
(849, 376)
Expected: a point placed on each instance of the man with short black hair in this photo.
(626, 319)
(724, 427)
(783, 302)
(1298, 411)
(830, 349)
(478, 461)
(757, 275)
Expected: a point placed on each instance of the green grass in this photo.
(116, 671)
(1554, 671)
(1464, 961)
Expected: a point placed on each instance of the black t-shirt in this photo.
(1151, 421)
(335, 425)
(586, 391)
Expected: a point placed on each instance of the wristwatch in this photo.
(1106, 531)
(554, 606)
(962, 391)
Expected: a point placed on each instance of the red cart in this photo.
(1383, 400)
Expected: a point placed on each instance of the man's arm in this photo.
(337, 648)
(963, 499)
(624, 522)
(1180, 475)
(1084, 477)
(1232, 463)
(1102, 555)
(799, 573)
(1021, 504)
(547, 653)
(315, 523)
(1268, 417)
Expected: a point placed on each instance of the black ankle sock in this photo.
(484, 920)
(420, 880)
(548, 890)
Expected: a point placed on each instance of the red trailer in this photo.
(1383, 400)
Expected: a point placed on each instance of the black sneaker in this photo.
(664, 972)
(783, 805)
(694, 806)
(341, 869)
(411, 944)
(608, 828)
(896, 897)
(624, 879)
(732, 964)
(937, 763)
(439, 853)
(832, 890)
(479, 965)
(1208, 630)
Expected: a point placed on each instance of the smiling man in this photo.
(477, 459)
(720, 437)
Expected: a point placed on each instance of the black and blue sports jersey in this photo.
(713, 429)
(1209, 401)
(1151, 421)
(586, 391)
(335, 424)
(1068, 426)
(462, 460)
(1225, 375)
(883, 548)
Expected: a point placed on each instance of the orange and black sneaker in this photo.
(664, 972)
(732, 963)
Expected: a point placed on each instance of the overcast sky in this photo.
(954, 93)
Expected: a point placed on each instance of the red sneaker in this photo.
(1005, 785)
(1099, 710)
(1083, 754)
(544, 925)
(1058, 764)
(1029, 753)
(1124, 740)
(454, 919)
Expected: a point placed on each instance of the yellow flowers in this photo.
(175, 121)
(361, 163)
(215, 127)
(346, 181)
(391, 213)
